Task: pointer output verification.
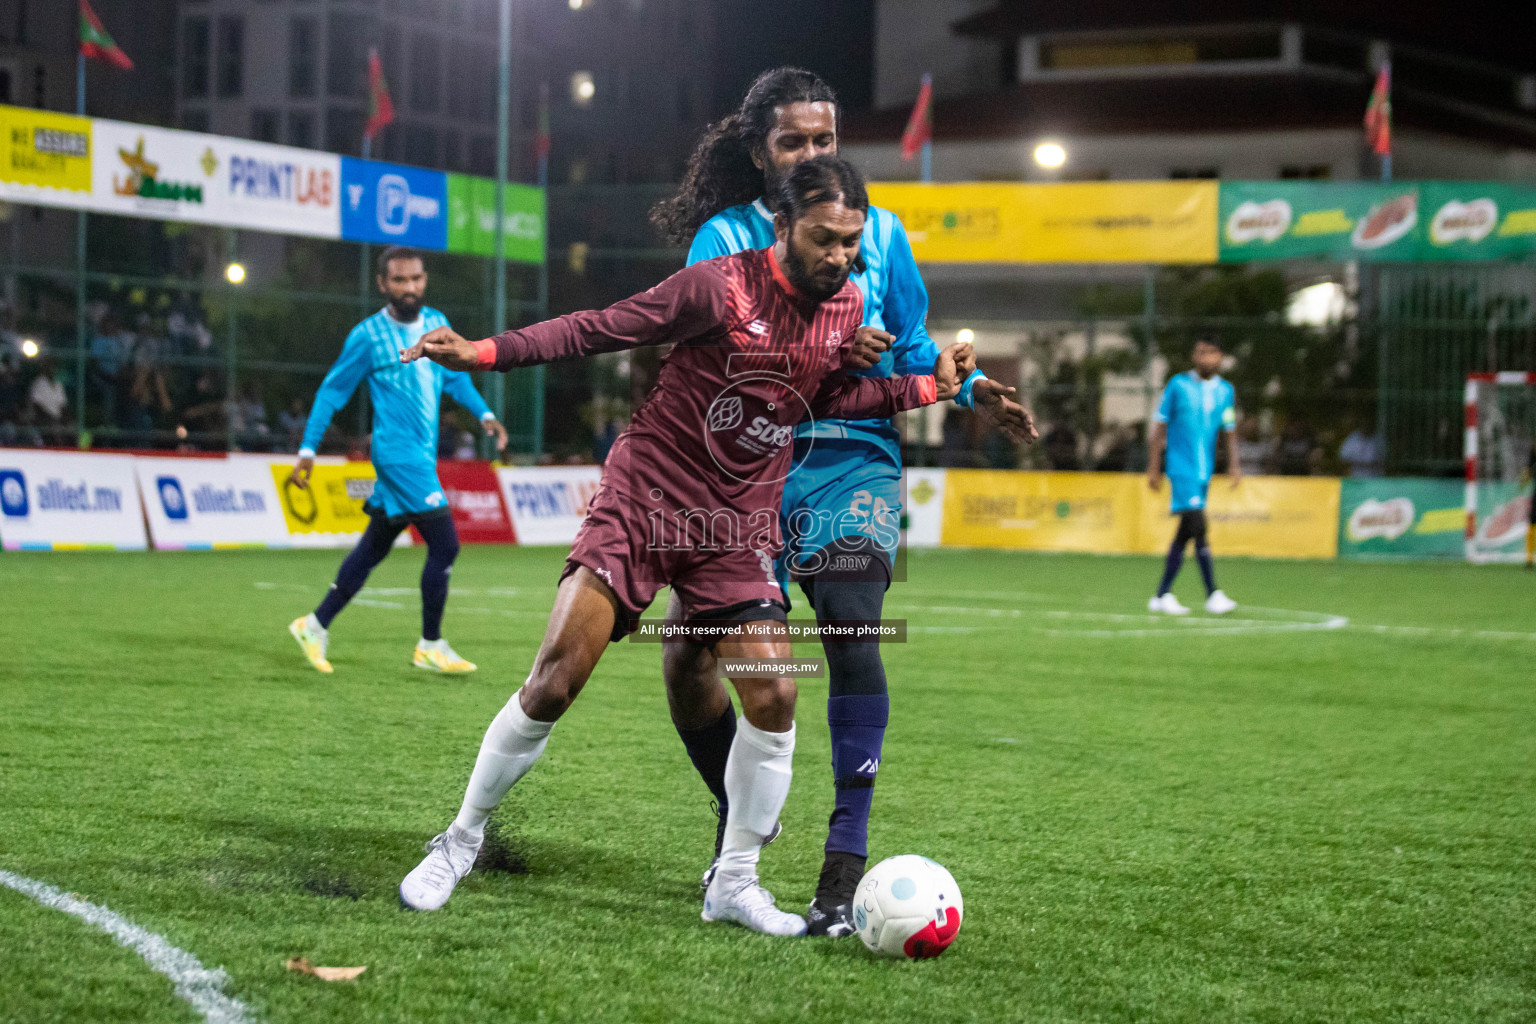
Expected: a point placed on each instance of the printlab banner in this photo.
(548, 503)
(1430, 220)
(1402, 518)
(60, 501)
(205, 504)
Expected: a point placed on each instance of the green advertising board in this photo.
(472, 218)
(1402, 517)
(1430, 220)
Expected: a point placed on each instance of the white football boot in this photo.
(1219, 603)
(1167, 604)
(748, 904)
(450, 856)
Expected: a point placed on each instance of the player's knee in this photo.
(770, 703)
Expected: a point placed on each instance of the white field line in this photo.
(194, 983)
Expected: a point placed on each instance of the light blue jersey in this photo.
(407, 399)
(1195, 411)
(894, 301)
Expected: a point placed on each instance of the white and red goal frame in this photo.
(1475, 383)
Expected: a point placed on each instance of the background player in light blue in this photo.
(842, 504)
(1197, 406)
(406, 407)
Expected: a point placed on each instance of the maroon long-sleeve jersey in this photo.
(752, 358)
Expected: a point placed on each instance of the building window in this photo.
(482, 155)
(472, 97)
(194, 58)
(346, 72)
(264, 125)
(1306, 172)
(301, 129)
(1193, 173)
(343, 129)
(303, 57)
(194, 120)
(685, 111)
(453, 151)
(40, 87)
(426, 74)
(231, 55)
(420, 145)
(5, 85)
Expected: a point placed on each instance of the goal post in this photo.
(1500, 433)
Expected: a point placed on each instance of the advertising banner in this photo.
(62, 501)
(1094, 222)
(329, 513)
(547, 503)
(1401, 518)
(1477, 220)
(474, 496)
(1503, 511)
(1098, 512)
(472, 219)
(205, 504)
(44, 157)
(1266, 516)
(140, 171)
(924, 507)
(1343, 220)
(391, 204)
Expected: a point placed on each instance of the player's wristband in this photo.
(485, 353)
(927, 389)
(306, 453)
(487, 415)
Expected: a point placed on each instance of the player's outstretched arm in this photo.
(857, 398)
(445, 347)
(995, 402)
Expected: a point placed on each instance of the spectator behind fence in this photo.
(1298, 453)
(1255, 452)
(1127, 451)
(1363, 452)
(1060, 446)
(147, 392)
(110, 348)
(955, 452)
(10, 398)
(251, 418)
(46, 398)
(290, 423)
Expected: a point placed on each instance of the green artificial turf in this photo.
(1151, 821)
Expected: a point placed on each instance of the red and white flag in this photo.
(1378, 113)
(919, 129)
(381, 109)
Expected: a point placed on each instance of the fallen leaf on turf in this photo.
(302, 966)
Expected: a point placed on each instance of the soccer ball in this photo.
(907, 906)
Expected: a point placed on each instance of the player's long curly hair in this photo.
(720, 172)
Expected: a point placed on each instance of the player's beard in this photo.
(807, 282)
(405, 308)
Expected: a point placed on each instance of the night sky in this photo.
(834, 38)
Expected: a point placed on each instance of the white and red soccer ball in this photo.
(908, 906)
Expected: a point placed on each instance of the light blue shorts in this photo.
(843, 494)
(1189, 493)
(407, 491)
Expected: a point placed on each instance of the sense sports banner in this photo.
(61, 501)
(1099, 512)
(208, 504)
(472, 219)
(475, 499)
(1391, 517)
(1264, 516)
(141, 171)
(45, 158)
(548, 503)
(329, 512)
(1091, 222)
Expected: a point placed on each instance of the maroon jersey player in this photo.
(691, 498)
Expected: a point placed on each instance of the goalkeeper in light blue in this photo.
(840, 518)
(407, 400)
(1197, 406)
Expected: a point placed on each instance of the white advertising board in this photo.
(202, 504)
(924, 507)
(547, 503)
(142, 171)
(60, 501)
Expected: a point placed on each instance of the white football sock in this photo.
(511, 745)
(757, 776)
(314, 624)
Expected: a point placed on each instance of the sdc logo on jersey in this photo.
(767, 432)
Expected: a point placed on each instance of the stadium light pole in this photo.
(503, 143)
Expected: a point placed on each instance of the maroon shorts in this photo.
(726, 583)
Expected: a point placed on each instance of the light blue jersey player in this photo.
(406, 403)
(842, 503)
(1197, 406)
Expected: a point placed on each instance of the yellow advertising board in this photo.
(1116, 513)
(331, 505)
(1266, 516)
(1041, 511)
(1079, 222)
(42, 149)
